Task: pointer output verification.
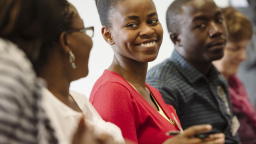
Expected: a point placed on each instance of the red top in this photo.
(244, 111)
(118, 102)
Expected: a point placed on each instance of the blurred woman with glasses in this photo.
(63, 60)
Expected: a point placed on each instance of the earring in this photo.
(72, 59)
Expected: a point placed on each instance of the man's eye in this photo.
(200, 25)
(132, 25)
(220, 20)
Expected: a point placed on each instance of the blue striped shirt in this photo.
(197, 99)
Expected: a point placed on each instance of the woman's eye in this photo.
(132, 25)
(153, 21)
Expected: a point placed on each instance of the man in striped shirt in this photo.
(188, 80)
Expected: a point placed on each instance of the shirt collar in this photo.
(188, 71)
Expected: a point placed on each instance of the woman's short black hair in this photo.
(105, 9)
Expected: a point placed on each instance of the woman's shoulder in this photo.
(110, 83)
(110, 77)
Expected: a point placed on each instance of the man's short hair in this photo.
(173, 11)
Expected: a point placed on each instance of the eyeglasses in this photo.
(88, 30)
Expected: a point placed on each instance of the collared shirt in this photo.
(196, 98)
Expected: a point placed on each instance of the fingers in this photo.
(218, 138)
(129, 142)
(181, 139)
(83, 134)
(105, 139)
(80, 130)
(81, 126)
(187, 137)
(214, 139)
(191, 131)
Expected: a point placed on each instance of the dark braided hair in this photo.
(105, 8)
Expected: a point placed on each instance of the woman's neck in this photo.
(134, 72)
(57, 79)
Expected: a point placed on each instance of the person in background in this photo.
(61, 61)
(247, 69)
(240, 32)
(121, 95)
(23, 25)
(188, 80)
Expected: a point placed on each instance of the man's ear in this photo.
(175, 38)
(106, 33)
(64, 42)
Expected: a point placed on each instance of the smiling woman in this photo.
(121, 95)
(135, 35)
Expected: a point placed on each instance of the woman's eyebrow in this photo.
(131, 18)
(152, 14)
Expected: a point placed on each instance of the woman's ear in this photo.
(64, 42)
(106, 33)
(175, 39)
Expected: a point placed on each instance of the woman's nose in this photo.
(147, 30)
(243, 55)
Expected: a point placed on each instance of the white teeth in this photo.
(148, 44)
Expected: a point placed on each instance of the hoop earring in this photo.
(72, 59)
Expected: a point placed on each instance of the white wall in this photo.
(101, 54)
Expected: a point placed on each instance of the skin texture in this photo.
(234, 54)
(201, 37)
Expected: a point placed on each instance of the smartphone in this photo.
(175, 132)
(204, 135)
